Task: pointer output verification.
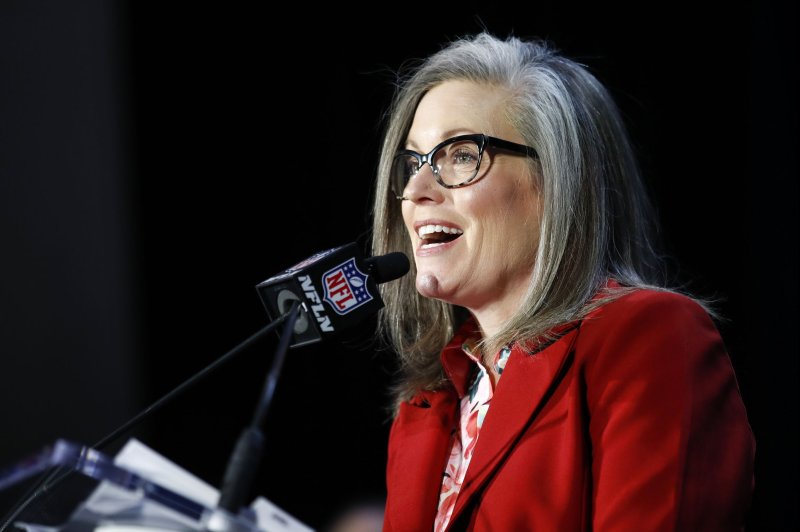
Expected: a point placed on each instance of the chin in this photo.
(428, 285)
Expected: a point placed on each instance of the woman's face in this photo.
(485, 258)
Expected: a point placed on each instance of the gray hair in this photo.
(596, 217)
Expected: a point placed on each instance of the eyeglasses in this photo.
(455, 162)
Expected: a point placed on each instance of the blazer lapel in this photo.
(523, 389)
(417, 458)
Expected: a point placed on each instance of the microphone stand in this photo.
(55, 477)
(244, 461)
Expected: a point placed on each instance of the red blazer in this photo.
(632, 421)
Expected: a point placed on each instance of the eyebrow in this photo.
(409, 145)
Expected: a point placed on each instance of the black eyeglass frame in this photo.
(480, 139)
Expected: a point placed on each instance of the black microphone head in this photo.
(338, 289)
(389, 267)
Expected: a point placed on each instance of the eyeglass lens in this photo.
(453, 164)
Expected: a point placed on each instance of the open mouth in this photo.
(437, 234)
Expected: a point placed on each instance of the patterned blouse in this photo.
(474, 405)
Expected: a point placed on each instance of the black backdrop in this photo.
(160, 159)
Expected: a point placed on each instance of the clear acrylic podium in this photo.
(77, 488)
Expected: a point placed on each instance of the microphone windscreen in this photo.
(388, 267)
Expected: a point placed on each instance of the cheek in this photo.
(527, 200)
(407, 217)
(531, 213)
(505, 208)
(519, 219)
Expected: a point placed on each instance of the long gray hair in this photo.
(596, 217)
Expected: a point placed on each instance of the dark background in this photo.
(158, 160)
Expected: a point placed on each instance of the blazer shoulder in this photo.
(635, 307)
(649, 335)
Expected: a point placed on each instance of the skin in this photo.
(487, 269)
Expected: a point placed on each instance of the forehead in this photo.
(456, 107)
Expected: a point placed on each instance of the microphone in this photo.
(325, 293)
(337, 289)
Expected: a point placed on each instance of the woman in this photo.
(550, 380)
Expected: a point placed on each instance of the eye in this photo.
(404, 167)
(463, 154)
(410, 166)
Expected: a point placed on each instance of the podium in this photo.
(81, 489)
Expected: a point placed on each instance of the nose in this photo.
(423, 186)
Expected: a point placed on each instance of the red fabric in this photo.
(632, 421)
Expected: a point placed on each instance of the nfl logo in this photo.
(346, 287)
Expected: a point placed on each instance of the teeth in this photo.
(428, 229)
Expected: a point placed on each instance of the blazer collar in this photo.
(456, 364)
